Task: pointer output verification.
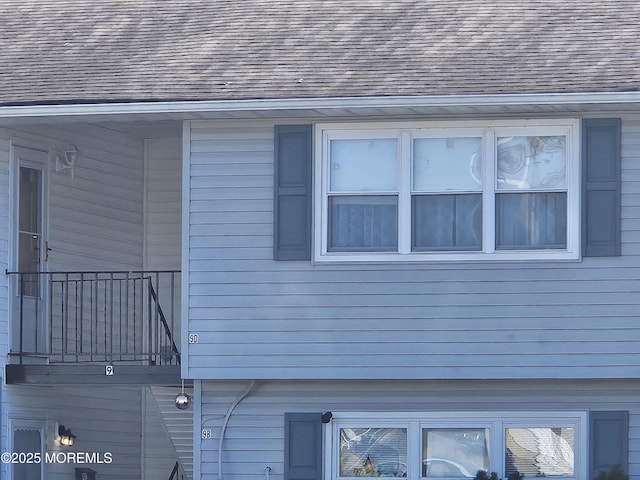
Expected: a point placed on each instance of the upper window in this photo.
(448, 192)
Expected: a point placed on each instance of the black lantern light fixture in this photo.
(66, 437)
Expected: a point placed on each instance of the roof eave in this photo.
(316, 104)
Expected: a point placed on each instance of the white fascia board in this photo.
(318, 104)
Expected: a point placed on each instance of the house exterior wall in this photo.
(254, 438)
(163, 207)
(104, 421)
(95, 223)
(259, 318)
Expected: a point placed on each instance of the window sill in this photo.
(444, 257)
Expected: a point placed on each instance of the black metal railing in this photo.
(174, 472)
(97, 316)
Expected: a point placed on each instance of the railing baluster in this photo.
(81, 313)
(150, 328)
(21, 317)
(173, 306)
(50, 319)
(36, 313)
(65, 313)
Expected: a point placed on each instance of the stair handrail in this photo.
(163, 321)
(174, 472)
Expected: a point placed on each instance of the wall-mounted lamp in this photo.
(65, 159)
(66, 437)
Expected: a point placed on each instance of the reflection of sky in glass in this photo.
(454, 453)
(540, 452)
(373, 452)
(441, 164)
(532, 162)
(364, 165)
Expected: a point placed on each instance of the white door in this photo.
(28, 327)
(26, 447)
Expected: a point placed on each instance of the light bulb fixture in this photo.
(65, 159)
(183, 400)
(66, 437)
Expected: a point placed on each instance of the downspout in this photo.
(226, 421)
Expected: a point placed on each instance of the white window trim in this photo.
(404, 130)
(496, 421)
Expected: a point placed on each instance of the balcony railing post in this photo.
(21, 317)
(150, 327)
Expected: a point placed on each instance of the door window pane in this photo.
(447, 222)
(29, 236)
(454, 452)
(366, 223)
(532, 162)
(373, 452)
(441, 164)
(540, 452)
(364, 165)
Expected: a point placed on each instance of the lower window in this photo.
(456, 446)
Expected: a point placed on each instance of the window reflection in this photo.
(454, 452)
(373, 452)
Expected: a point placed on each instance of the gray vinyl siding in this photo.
(163, 211)
(258, 318)
(104, 420)
(95, 215)
(95, 222)
(255, 434)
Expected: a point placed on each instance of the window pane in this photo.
(454, 452)
(373, 452)
(441, 164)
(30, 186)
(531, 220)
(447, 222)
(363, 223)
(540, 452)
(364, 165)
(532, 162)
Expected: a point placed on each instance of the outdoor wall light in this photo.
(65, 159)
(66, 437)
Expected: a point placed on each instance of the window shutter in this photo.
(302, 446)
(601, 187)
(608, 441)
(292, 207)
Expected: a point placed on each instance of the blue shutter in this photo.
(608, 441)
(292, 195)
(601, 187)
(302, 446)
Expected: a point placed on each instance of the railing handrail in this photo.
(93, 272)
(167, 330)
(174, 472)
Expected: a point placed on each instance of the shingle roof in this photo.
(62, 51)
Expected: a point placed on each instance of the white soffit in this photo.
(327, 107)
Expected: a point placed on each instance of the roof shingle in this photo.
(151, 50)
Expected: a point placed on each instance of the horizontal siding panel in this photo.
(255, 435)
(421, 320)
